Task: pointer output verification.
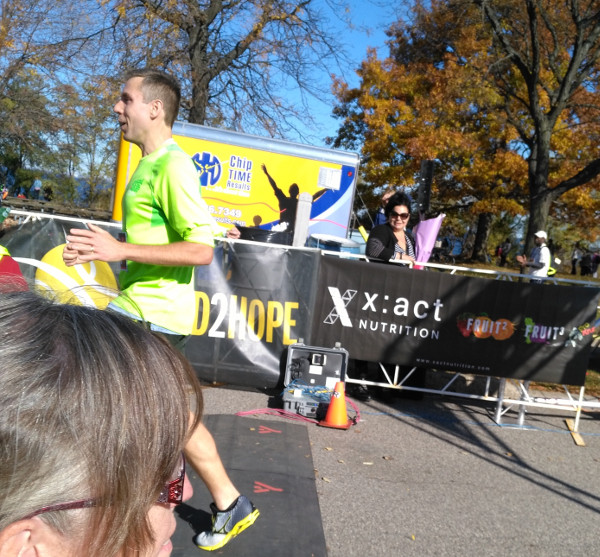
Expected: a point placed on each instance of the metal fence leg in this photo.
(578, 413)
(498, 416)
(522, 409)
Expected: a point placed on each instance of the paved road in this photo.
(438, 477)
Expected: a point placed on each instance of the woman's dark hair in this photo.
(399, 198)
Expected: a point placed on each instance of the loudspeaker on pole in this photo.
(425, 180)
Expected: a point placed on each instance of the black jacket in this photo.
(381, 242)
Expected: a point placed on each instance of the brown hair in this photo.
(92, 405)
(162, 86)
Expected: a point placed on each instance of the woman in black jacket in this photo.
(391, 241)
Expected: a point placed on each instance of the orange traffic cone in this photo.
(337, 416)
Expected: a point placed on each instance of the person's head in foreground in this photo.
(94, 413)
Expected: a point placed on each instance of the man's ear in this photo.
(156, 108)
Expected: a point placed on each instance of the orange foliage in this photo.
(469, 85)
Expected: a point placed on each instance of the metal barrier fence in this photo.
(522, 396)
(525, 395)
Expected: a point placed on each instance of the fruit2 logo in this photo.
(481, 326)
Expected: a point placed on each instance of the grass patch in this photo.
(592, 384)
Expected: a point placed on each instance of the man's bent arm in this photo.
(175, 254)
(95, 243)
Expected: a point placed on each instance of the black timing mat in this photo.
(271, 463)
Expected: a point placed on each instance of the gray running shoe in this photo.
(227, 524)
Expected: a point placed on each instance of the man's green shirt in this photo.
(162, 204)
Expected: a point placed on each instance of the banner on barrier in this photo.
(254, 300)
(388, 313)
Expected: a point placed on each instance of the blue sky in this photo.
(369, 19)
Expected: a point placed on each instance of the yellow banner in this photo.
(255, 182)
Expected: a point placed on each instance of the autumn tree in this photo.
(88, 142)
(24, 113)
(422, 102)
(503, 94)
(546, 70)
(238, 60)
(27, 122)
(47, 47)
(20, 45)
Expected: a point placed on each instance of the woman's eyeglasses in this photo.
(403, 216)
(171, 493)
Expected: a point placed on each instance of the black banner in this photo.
(256, 299)
(387, 313)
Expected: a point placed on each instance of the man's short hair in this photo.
(162, 86)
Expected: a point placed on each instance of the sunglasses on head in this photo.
(171, 493)
(402, 216)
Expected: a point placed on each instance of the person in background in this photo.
(36, 188)
(539, 259)
(168, 230)
(11, 183)
(503, 249)
(392, 241)
(575, 258)
(380, 217)
(595, 263)
(94, 415)
(586, 263)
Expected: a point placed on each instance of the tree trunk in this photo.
(199, 103)
(538, 217)
(200, 88)
(540, 197)
(481, 238)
